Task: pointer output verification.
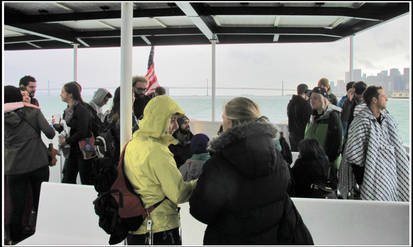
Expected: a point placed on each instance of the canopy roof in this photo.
(52, 25)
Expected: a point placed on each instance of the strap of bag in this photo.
(122, 163)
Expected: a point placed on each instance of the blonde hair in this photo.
(323, 82)
(241, 110)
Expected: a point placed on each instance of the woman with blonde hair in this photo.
(242, 192)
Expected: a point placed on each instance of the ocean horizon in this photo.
(199, 108)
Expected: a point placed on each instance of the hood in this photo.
(99, 96)
(12, 119)
(249, 148)
(156, 118)
(296, 98)
(326, 114)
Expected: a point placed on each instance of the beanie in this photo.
(320, 90)
(12, 94)
(199, 143)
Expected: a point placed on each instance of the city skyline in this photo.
(392, 80)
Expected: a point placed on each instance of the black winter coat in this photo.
(299, 112)
(80, 127)
(306, 172)
(242, 192)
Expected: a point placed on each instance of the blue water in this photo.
(274, 107)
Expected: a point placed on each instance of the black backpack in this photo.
(285, 149)
(95, 124)
(120, 208)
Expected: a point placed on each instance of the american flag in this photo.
(150, 76)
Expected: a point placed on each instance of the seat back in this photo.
(334, 222)
(66, 216)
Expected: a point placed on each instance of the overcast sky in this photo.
(383, 47)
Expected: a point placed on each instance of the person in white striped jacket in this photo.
(375, 151)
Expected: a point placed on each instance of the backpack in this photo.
(285, 149)
(120, 209)
(95, 124)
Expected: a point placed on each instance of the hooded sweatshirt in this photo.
(151, 168)
(97, 102)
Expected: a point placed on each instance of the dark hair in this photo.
(12, 94)
(26, 79)
(137, 79)
(370, 93)
(310, 148)
(349, 85)
(23, 88)
(321, 91)
(160, 90)
(115, 111)
(73, 88)
(302, 88)
(359, 87)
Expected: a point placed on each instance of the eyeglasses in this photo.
(140, 88)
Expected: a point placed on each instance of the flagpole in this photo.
(213, 41)
(126, 73)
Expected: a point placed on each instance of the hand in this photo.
(62, 140)
(350, 94)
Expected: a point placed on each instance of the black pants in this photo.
(74, 165)
(18, 186)
(170, 237)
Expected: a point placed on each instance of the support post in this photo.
(75, 61)
(351, 57)
(126, 73)
(213, 78)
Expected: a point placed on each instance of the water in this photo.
(199, 107)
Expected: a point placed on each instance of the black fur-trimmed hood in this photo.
(249, 148)
(240, 132)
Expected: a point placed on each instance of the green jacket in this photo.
(151, 168)
(327, 130)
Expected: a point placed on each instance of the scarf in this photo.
(68, 114)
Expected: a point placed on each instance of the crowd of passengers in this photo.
(239, 183)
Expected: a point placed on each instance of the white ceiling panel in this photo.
(246, 20)
(306, 21)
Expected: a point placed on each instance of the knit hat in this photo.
(320, 90)
(199, 143)
(12, 94)
(181, 120)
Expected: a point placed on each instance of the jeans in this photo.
(74, 165)
(170, 237)
(18, 186)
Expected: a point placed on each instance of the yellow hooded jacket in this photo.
(151, 168)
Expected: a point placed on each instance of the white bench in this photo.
(66, 216)
(334, 222)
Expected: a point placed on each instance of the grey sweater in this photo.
(24, 149)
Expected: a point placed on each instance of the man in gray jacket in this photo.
(100, 98)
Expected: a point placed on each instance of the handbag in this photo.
(52, 152)
(87, 147)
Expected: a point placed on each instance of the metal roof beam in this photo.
(147, 41)
(82, 42)
(38, 47)
(367, 11)
(30, 32)
(190, 12)
(11, 17)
